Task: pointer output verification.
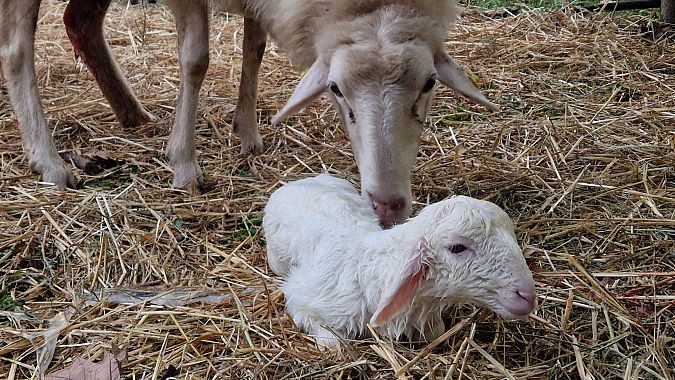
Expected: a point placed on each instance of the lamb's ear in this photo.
(311, 85)
(453, 76)
(400, 296)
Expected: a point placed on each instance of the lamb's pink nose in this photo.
(523, 302)
(529, 297)
(390, 211)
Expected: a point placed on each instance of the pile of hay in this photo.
(581, 157)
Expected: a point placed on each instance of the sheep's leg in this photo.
(193, 41)
(84, 26)
(17, 38)
(245, 122)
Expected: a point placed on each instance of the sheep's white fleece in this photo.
(338, 264)
(294, 24)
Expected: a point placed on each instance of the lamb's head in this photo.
(381, 71)
(467, 253)
(475, 257)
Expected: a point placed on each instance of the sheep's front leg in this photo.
(245, 122)
(84, 26)
(17, 38)
(193, 42)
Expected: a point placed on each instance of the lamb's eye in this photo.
(335, 89)
(457, 248)
(429, 85)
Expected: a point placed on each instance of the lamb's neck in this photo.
(387, 254)
(394, 241)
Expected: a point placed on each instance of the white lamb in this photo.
(342, 271)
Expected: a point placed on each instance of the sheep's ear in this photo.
(311, 85)
(397, 298)
(453, 76)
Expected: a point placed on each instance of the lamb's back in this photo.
(307, 216)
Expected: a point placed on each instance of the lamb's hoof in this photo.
(434, 331)
(325, 343)
(90, 167)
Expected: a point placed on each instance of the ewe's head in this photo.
(381, 70)
(467, 254)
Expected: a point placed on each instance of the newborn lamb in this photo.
(342, 271)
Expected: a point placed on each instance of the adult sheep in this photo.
(378, 60)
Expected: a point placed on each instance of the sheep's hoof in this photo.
(135, 118)
(252, 146)
(247, 129)
(54, 171)
(61, 180)
(61, 176)
(188, 176)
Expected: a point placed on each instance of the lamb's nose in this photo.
(522, 303)
(529, 297)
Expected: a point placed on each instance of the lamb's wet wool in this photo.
(342, 271)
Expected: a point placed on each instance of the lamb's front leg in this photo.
(306, 320)
(325, 337)
(17, 37)
(193, 42)
(432, 329)
(84, 26)
(245, 122)
(308, 308)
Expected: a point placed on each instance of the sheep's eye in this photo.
(335, 89)
(429, 85)
(457, 248)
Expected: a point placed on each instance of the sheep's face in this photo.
(383, 94)
(474, 257)
(381, 70)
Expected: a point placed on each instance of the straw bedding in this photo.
(581, 157)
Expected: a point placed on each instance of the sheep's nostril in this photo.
(398, 204)
(395, 204)
(389, 210)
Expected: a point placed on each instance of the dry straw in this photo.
(581, 157)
